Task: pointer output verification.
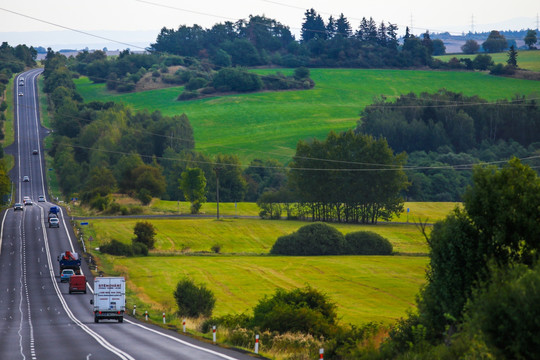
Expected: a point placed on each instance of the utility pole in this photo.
(217, 170)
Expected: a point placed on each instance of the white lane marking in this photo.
(21, 300)
(2, 230)
(101, 340)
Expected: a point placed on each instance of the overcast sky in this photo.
(139, 15)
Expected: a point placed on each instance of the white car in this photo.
(25, 178)
(41, 198)
(20, 94)
(54, 222)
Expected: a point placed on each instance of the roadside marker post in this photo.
(214, 333)
(321, 354)
(134, 307)
(146, 315)
(256, 344)
(164, 318)
(184, 325)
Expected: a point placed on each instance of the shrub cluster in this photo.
(193, 300)
(115, 247)
(323, 239)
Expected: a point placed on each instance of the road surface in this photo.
(38, 318)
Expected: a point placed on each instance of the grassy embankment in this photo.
(9, 132)
(528, 60)
(52, 181)
(365, 288)
(269, 124)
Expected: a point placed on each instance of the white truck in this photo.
(109, 298)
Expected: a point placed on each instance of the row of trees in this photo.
(496, 42)
(428, 121)
(264, 41)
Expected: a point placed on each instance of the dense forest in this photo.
(444, 133)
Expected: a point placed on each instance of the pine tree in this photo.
(512, 57)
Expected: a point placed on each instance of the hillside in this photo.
(249, 125)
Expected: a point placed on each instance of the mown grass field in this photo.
(269, 124)
(237, 236)
(365, 288)
(529, 59)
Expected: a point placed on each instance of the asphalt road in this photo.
(39, 319)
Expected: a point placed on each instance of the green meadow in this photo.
(528, 59)
(365, 288)
(269, 124)
(237, 236)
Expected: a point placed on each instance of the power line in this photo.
(71, 29)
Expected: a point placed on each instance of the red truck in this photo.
(77, 283)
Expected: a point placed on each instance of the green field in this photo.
(365, 288)
(238, 236)
(529, 59)
(269, 124)
(430, 211)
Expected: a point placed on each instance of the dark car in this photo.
(35, 152)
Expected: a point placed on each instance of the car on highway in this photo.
(34, 152)
(54, 222)
(17, 206)
(41, 198)
(20, 94)
(66, 274)
(25, 178)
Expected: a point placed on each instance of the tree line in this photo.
(12, 60)
(451, 130)
(264, 41)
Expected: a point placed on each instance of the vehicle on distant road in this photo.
(17, 206)
(77, 283)
(54, 222)
(66, 274)
(28, 202)
(20, 94)
(25, 178)
(41, 198)
(34, 152)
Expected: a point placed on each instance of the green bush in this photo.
(115, 247)
(188, 95)
(300, 310)
(505, 312)
(193, 300)
(234, 79)
(139, 249)
(144, 196)
(314, 239)
(196, 83)
(367, 243)
(144, 233)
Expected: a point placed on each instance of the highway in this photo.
(39, 319)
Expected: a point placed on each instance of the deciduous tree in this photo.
(193, 185)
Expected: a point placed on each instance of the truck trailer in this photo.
(109, 298)
(69, 260)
